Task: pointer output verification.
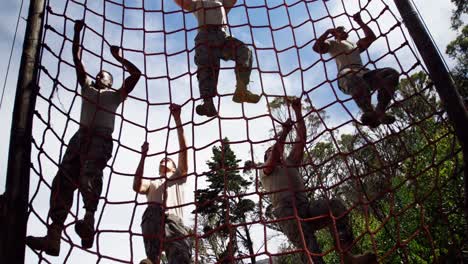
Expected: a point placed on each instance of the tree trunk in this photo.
(249, 245)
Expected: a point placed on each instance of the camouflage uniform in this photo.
(319, 209)
(178, 249)
(355, 76)
(81, 167)
(212, 44)
(352, 74)
(286, 192)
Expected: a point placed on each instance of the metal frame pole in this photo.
(451, 99)
(444, 85)
(16, 197)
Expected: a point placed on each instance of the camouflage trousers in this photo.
(213, 44)
(81, 168)
(351, 78)
(175, 243)
(321, 210)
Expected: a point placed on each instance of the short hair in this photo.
(341, 28)
(110, 76)
(169, 159)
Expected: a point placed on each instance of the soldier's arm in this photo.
(182, 163)
(277, 149)
(140, 185)
(228, 5)
(297, 151)
(321, 46)
(187, 5)
(76, 49)
(131, 81)
(369, 36)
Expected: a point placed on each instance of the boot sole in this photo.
(201, 111)
(48, 251)
(238, 100)
(370, 121)
(52, 253)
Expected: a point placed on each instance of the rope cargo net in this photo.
(401, 184)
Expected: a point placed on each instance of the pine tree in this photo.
(222, 205)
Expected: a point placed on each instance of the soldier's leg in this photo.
(333, 214)
(207, 61)
(151, 227)
(234, 49)
(346, 236)
(385, 81)
(177, 246)
(303, 207)
(290, 229)
(355, 85)
(61, 199)
(97, 151)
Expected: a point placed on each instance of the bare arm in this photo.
(228, 5)
(320, 45)
(135, 73)
(140, 185)
(277, 150)
(182, 162)
(369, 36)
(76, 49)
(297, 151)
(187, 5)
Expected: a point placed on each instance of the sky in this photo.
(280, 52)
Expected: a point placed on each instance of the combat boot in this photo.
(50, 244)
(370, 119)
(206, 109)
(242, 95)
(85, 229)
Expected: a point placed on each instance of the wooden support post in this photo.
(16, 197)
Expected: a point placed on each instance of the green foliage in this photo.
(420, 183)
(404, 185)
(426, 176)
(461, 8)
(288, 258)
(458, 50)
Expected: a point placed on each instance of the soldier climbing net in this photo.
(401, 183)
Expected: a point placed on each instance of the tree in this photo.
(223, 205)
(458, 50)
(415, 178)
(403, 182)
(289, 258)
(461, 8)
